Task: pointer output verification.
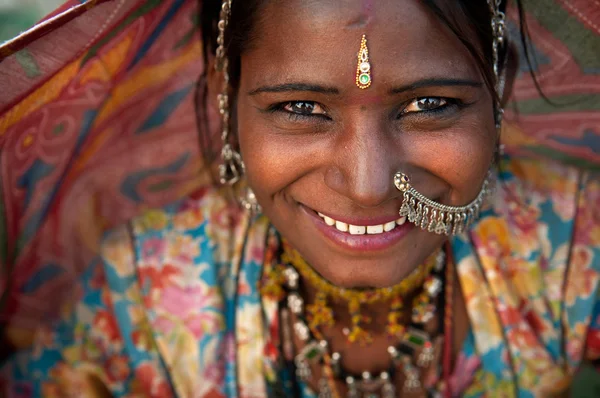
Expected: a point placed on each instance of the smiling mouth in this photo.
(362, 229)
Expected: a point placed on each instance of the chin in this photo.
(357, 274)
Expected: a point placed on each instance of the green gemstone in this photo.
(364, 78)
(417, 340)
(312, 351)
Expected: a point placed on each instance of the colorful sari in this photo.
(97, 125)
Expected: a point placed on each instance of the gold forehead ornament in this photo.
(363, 67)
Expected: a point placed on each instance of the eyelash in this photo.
(451, 104)
(296, 116)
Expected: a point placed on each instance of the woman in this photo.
(362, 139)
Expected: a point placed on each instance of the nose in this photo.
(363, 167)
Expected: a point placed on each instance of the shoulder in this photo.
(198, 228)
(536, 206)
(530, 267)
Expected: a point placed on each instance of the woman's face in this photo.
(313, 142)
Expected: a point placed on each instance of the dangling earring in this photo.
(232, 167)
(249, 202)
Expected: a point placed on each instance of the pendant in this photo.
(311, 353)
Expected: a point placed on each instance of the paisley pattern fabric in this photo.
(97, 126)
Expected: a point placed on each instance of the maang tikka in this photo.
(232, 168)
(363, 67)
(452, 220)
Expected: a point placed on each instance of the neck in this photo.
(364, 312)
(376, 312)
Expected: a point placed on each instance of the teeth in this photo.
(375, 229)
(362, 229)
(389, 226)
(341, 226)
(357, 230)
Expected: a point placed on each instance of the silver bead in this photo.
(295, 303)
(324, 389)
(301, 330)
(352, 388)
(291, 277)
(336, 365)
(303, 371)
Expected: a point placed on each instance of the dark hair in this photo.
(469, 20)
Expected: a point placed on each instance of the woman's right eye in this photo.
(304, 108)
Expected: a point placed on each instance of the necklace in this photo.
(319, 314)
(414, 352)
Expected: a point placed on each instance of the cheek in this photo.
(460, 157)
(273, 161)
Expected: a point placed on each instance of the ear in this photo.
(510, 73)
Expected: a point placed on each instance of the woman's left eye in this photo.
(426, 104)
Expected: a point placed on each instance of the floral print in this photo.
(171, 307)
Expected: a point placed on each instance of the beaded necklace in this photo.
(319, 314)
(414, 352)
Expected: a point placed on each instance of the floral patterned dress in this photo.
(171, 306)
(97, 122)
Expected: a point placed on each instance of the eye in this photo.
(425, 104)
(305, 108)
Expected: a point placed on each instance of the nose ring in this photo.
(436, 217)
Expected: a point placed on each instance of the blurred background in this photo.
(19, 15)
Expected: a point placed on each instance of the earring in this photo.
(499, 39)
(232, 167)
(248, 201)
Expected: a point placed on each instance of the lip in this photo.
(360, 243)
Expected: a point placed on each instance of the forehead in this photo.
(320, 39)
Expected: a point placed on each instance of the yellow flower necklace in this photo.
(319, 314)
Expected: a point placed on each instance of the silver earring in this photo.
(232, 167)
(249, 202)
(499, 33)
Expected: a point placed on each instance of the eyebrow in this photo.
(287, 87)
(433, 82)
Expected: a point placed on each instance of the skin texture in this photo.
(342, 163)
